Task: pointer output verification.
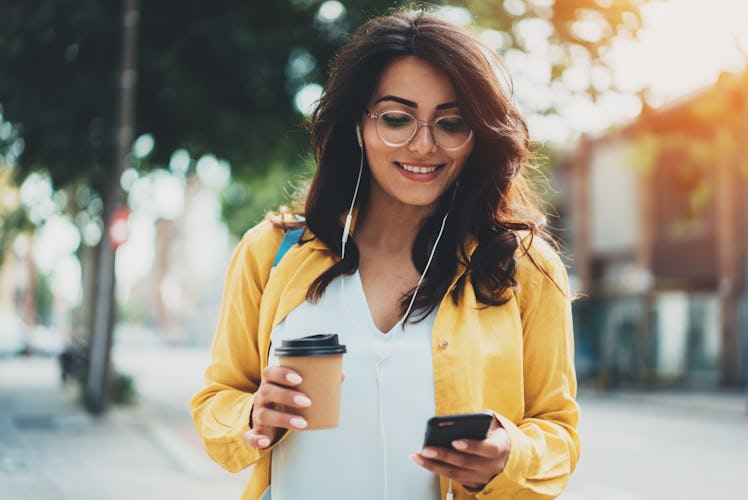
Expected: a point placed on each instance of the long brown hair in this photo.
(494, 199)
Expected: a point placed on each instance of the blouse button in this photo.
(443, 344)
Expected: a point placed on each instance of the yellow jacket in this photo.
(516, 360)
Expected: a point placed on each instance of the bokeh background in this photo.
(139, 140)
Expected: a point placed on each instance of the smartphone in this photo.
(442, 430)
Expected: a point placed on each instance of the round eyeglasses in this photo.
(398, 128)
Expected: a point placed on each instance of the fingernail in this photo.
(298, 422)
(416, 459)
(428, 453)
(293, 378)
(263, 442)
(302, 400)
(459, 445)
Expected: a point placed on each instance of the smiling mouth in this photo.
(419, 169)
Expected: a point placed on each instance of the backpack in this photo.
(290, 239)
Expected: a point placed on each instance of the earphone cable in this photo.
(349, 217)
(431, 256)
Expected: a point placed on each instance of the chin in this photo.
(419, 201)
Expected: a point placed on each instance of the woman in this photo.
(428, 261)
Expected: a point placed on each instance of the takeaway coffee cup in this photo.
(319, 361)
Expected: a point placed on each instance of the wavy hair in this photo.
(494, 199)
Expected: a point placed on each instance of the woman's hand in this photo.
(471, 463)
(274, 402)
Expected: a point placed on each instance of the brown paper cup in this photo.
(322, 377)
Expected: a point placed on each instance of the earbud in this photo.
(358, 136)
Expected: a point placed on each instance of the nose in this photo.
(423, 141)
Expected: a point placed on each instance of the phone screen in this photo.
(442, 430)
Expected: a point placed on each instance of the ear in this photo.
(358, 136)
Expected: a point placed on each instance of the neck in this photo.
(388, 227)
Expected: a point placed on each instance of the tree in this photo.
(218, 77)
(221, 77)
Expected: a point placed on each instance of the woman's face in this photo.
(418, 173)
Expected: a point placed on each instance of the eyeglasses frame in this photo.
(419, 124)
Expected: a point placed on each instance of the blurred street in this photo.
(139, 144)
(51, 449)
(662, 446)
(635, 446)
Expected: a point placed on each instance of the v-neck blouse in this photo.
(386, 399)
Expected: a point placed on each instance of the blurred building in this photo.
(659, 211)
(177, 298)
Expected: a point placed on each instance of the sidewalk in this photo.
(718, 402)
(636, 445)
(657, 445)
(50, 448)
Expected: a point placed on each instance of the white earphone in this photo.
(349, 217)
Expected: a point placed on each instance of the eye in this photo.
(396, 119)
(452, 124)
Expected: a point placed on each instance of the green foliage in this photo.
(217, 77)
(13, 218)
(262, 194)
(43, 298)
(58, 62)
(123, 389)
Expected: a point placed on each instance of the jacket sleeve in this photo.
(544, 444)
(221, 409)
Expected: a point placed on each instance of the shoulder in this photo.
(259, 244)
(539, 264)
(263, 234)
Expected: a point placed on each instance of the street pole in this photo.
(98, 379)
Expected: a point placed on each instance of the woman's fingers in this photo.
(274, 417)
(259, 438)
(276, 393)
(281, 376)
(454, 458)
(496, 445)
(467, 477)
(471, 463)
(274, 407)
(271, 394)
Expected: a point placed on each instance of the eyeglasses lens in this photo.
(398, 128)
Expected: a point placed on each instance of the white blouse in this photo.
(386, 399)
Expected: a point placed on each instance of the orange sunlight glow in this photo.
(683, 46)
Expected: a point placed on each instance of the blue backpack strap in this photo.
(290, 239)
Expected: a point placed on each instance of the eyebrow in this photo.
(412, 104)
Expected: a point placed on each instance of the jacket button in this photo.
(487, 491)
(443, 344)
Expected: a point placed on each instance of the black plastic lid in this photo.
(313, 345)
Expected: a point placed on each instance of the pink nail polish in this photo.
(302, 401)
(298, 422)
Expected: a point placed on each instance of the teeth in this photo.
(418, 170)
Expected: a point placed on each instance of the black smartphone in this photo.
(442, 430)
